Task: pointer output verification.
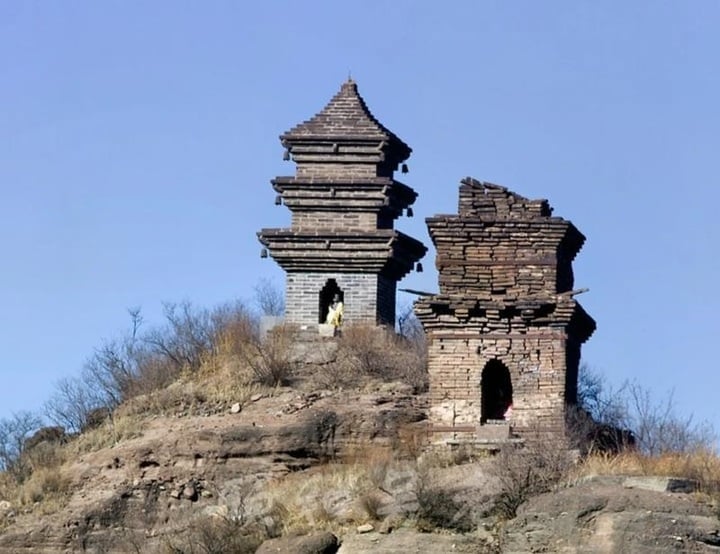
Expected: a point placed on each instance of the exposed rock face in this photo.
(146, 488)
(410, 541)
(613, 514)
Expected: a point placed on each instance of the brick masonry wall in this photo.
(505, 257)
(536, 363)
(504, 263)
(335, 168)
(360, 290)
(337, 221)
(386, 295)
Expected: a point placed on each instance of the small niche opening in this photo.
(327, 294)
(496, 391)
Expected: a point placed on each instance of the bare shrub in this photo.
(438, 508)
(30, 476)
(412, 363)
(46, 435)
(340, 374)
(270, 357)
(525, 471)
(176, 399)
(108, 378)
(269, 298)
(658, 429)
(197, 340)
(71, 403)
(192, 337)
(45, 490)
(367, 347)
(216, 536)
(238, 328)
(380, 352)
(45, 454)
(116, 364)
(415, 347)
(138, 363)
(14, 432)
(328, 496)
(630, 416)
(603, 402)
(187, 337)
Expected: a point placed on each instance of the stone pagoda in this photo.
(344, 201)
(505, 330)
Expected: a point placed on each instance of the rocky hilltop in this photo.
(319, 469)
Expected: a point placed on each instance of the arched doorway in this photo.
(496, 391)
(327, 294)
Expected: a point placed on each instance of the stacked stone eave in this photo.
(385, 251)
(381, 195)
(470, 316)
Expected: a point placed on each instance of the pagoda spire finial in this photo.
(346, 119)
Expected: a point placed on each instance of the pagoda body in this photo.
(344, 201)
(505, 330)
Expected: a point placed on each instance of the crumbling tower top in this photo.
(502, 244)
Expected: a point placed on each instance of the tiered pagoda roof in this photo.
(344, 197)
(346, 118)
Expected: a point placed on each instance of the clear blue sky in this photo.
(137, 141)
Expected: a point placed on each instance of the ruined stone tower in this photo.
(505, 331)
(344, 201)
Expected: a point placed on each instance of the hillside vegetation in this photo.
(203, 435)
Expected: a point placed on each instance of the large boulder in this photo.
(317, 543)
(614, 514)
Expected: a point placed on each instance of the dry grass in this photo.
(269, 357)
(227, 379)
(338, 375)
(110, 433)
(46, 491)
(214, 536)
(379, 352)
(334, 496)
(526, 471)
(48, 487)
(179, 398)
(318, 499)
(702, 466)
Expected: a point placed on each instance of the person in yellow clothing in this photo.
(335, 313)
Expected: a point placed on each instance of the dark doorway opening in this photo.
(327, 294)
(496, 391)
